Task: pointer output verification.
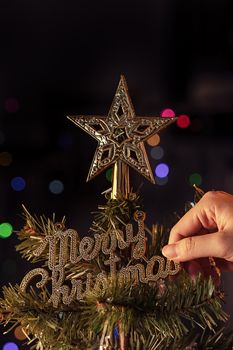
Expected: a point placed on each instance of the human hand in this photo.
(206, 230)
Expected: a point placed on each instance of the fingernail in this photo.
(170, 251)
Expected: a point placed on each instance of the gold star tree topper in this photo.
(121, 135)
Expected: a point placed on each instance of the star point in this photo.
(121, 134)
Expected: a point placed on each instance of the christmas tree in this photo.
(113, 289)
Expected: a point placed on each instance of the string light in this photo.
(168, 113)
(157, 152)
(161, 170)
(195, 179)
(18, 183)
(6, 230)
(56, 187)
(183, 121)
(153, 140)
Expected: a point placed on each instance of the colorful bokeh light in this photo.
(6, 230)
(195, 179)
(18, 183)
(12, 105)
(161, 170)
(168, 113)
(56, 186)
(108, 175)
(157, 152)
(19, 334)
(154, 140)
(10, 346)
(183, 121)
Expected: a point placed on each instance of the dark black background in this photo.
(66, 57)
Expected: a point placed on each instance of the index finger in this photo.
(199, 219)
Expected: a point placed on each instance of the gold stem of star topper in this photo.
(120, 181)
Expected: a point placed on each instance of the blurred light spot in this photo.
(56, 186)
(10, 346)
(161, 170)
(161, 180)
(2, 138)
(6, 230)
(154, 140)
(9, 267)
(5, 158)
(157, 152)
(109, 175)
(66, 141)
(195, 179)
(19, 334)
(116, 332)
(18, 183)
(183, 121)
(12, 105)
(168, 113)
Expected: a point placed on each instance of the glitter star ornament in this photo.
(121, 134)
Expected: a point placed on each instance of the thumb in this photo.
(194, 247)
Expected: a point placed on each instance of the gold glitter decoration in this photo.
(108, 243)
(121, 135)
(140, 248)
(31, 274)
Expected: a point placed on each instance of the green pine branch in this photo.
(177, 313)
(163, 312)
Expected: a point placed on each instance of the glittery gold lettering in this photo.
(31, 274)
(89, 249)
(64, 246)
(113, 259)
(132, 273)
